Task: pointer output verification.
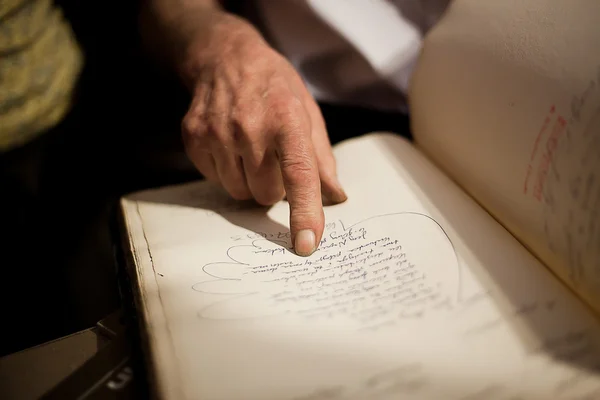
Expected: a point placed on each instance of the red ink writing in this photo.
(535, 149)
(548, 156)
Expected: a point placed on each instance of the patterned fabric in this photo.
(40, 62)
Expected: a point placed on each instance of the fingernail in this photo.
(305, 242)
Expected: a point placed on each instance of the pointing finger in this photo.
(300, 175)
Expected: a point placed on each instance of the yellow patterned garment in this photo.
(40, 62)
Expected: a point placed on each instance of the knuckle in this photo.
(216, 121)
(189, 125)
(247, 122)
(288, 106)
(193, 127)
(307, 217)
(247, 128)
(213, 128)
(298, 167)
(302, 201)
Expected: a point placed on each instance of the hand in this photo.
(253, 127)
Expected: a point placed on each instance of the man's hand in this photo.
(253, 127)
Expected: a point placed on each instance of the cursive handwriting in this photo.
(384, 269)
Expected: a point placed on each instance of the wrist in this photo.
(219, 36)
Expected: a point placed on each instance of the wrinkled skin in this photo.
(253, 127)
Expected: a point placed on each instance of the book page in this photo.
(506, 100)
(415, 292)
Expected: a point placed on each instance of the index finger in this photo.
(300, 174)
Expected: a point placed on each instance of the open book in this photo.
(465, 265)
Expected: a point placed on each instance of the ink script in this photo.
(374, 273)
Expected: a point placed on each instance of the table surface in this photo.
(35, 372)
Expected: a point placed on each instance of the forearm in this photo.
(184, 33)
(167, 26)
